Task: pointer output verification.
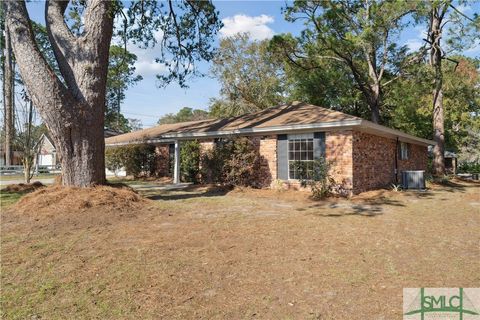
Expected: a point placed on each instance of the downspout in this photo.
(396, 162)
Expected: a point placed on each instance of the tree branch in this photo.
(62, 40)
(43, 85)
(461, 13)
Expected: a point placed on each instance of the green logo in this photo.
(429, 305)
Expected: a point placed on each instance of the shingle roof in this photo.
(295, 113)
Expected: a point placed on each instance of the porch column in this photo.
(176, 171)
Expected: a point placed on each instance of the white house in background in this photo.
(46, 152)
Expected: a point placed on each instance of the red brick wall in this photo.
(338, 149)
(374, 161)
(268, 153)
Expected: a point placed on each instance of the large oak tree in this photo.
(72, 105)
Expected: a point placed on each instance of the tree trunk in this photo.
(374, 103)
(73, 110)
(8, 98)
(28, 147)
(435, 35)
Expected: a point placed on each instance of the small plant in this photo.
(278, 185)
(397, 187)
(315, 174)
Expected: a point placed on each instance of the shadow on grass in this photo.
(188, 193)
(367, 208)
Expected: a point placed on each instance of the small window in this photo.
(403, 151)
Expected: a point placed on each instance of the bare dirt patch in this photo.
(206, 254)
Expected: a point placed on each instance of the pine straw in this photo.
(23, 187)
(61, 199)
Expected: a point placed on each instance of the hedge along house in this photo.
(363, 155)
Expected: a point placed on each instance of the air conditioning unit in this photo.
(413, 179)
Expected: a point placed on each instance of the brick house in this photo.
(364, 155)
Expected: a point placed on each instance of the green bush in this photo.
(233, 162)
(315, 174)
(469, 167)
(190, 161)
(138, 160)
(114, 159)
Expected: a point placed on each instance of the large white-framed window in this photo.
(300, 150)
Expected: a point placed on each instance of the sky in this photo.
(262, 19)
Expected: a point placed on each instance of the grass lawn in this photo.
(202, 254)
(22, 177)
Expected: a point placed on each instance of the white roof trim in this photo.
(345, 124)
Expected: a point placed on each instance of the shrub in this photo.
(243, 166)
(138, 160)
(469, 167)
(315, 174)
(234, 162)
(115, 159)
(190, 161)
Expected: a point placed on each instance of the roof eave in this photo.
(370, 126)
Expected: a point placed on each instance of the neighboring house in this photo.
(46, 153)
(450, 160)
(364, 155)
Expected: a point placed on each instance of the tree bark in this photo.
(8, 98)
(435, 36)
(71, 107)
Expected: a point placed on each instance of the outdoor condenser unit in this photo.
(413, 179)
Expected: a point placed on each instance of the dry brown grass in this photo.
(215, 254)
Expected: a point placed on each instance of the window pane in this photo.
(297, 145)
(310, 155)
(303, 155)
(291, 155)
(297, 155)
(303, 145)
(310, 144)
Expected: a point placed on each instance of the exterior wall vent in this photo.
(413, 179)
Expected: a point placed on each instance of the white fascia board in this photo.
(402, 136)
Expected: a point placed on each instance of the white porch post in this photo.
(176, 171)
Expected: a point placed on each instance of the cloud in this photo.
(255, 26)
(413, 44)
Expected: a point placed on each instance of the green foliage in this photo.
(185, 114)
(316, 176)
(250, 77)
(409, 104)
(187, 30)
(355, 42)
(233, 162)
(190, 161)
(138, 160)
(120, 76)
(469, 167)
